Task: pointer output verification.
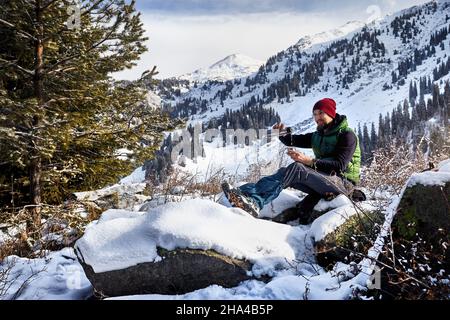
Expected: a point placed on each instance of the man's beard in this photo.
(324, 126)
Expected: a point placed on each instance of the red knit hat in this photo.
(327, 105)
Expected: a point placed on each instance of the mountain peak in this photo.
(308, 41)
(234, 66)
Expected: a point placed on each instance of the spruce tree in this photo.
(367, 142)
(373, 138)
(63, 117)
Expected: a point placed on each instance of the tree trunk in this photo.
(35, 157)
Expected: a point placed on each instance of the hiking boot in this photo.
(302, 211)
(287, 215)
(358, 195)
(239, 200)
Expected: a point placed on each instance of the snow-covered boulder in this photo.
(346, 233)
(425, 205)
(183, 246)
(420, 234)
(420, 238)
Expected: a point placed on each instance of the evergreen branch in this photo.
(57, 33)
(62, 70)
(22, 33)
(53, 100)
(14, 64)
(79, 54)
(24, 3)
(91, 8)
(48, 4)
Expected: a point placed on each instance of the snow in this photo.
(432, 178)
(337, 202)
(288, 198)
(122, 242)
(322, 37)
(444, 166)
(119, 189)
(232, 67)
(137, 176)
(153, 100)
(58, 276)
(122, 238)
(330, 221)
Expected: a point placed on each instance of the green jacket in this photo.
(323, 143)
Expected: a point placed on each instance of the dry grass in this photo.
(61, 226)
(393, 166)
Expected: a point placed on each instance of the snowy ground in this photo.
(58, 276)
(121, 238)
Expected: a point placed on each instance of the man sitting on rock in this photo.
(334, 170)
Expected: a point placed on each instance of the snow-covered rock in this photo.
(429, 178)
(342, 233)
(420, 233)
(118, 243)
(126, 243)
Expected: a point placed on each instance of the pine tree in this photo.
(373, 138)
(367, 142)
(63, 118)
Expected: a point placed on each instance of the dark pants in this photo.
(297, 176)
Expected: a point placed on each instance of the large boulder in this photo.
(180, 247)
(420, 240)
(424, 210)
(179, 271)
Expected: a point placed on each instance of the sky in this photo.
(185, 35)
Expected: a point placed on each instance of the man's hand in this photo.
(278, 126)
(300, 157)
(282, 130)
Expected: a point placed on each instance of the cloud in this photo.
(182, 44)
(249, 6)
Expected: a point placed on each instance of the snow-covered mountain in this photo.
(307, 41)
(232, 67)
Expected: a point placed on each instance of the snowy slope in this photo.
(344, 30)
(232, 67)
